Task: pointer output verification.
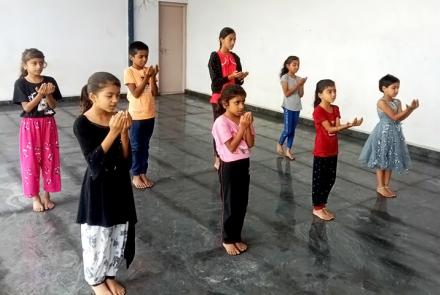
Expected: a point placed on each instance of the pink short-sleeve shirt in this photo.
(222, 131)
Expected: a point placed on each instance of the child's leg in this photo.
(320, 190)
(331, 166)
(118, 242)
(387, 180)
(50, 162)
(147, 132)
(286, 130)
(30, 158)
(96, 245)
(240, 198)
(215, 113)
(381, 190)
(136, 154)
(293, 121)
(228, 219)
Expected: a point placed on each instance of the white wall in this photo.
(351, 42)
(77, 37)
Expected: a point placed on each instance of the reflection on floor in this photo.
(374, 246)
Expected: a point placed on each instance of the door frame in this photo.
(184, 32)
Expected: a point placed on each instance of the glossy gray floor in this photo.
(374, 246)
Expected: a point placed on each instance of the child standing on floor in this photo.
(234, 136)
(326, 117)
(106, 209)
(224, 69)
(39, 147)
(142, 90)
(385, 149)
(293, 90)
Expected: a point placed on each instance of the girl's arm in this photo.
(299, 86)
(249, 136)
(233, 143)
(399, 115)
(216, 74)
(42, 92)
(124, 135)
(289, 91)
(339, 127)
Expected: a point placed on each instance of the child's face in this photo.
(392, 90)
(140, 59)
(235, 106)
(228, 42)
(328, 94)
(107, 98)
(35, 66)
(293, 67)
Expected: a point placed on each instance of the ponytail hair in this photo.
(27, 55)
(95, 84)
(287, 62)
(320, 87)
(228, 93)
(224, 33)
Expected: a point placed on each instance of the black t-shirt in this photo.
(26, 91)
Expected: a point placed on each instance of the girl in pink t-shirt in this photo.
(234, 136)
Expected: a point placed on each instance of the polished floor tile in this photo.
(374, 246)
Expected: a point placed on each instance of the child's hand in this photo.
(50, 88)
(116, 123)
(246, 120)
(302, 81)
(242, 75)
(42, 90)
(414, 104)
(127, 121)
(234, 75)
(355, 122)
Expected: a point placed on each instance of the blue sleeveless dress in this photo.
(385, 148)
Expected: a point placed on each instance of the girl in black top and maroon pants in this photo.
(224, 69)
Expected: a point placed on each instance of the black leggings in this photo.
(324, 176)
(234, 182)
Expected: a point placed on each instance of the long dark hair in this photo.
(27, 55)
(320, 87)
(228, 93)
(96, 83)
(224, 33)
(287, 62)
(387, 80)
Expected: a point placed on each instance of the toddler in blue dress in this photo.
(385, 149)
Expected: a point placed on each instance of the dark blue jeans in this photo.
(291, 119)
(140, 134)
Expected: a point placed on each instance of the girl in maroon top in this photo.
(224, 69)
(326, 117)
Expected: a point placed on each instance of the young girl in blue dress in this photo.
(385, 149)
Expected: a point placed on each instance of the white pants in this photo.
(103, 251)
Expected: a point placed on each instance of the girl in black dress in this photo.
(106, 209)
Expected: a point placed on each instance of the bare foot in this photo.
(37, 206)
(147, 181)
(115, 287)
(217, 163)
(242, 247)
(231, 249)
(383, 192)
(289, 155)
(47, 202)
(322, 214)
(101, 289)
(138, 183)
(280, 150)
(390, 191)
(328, 213)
